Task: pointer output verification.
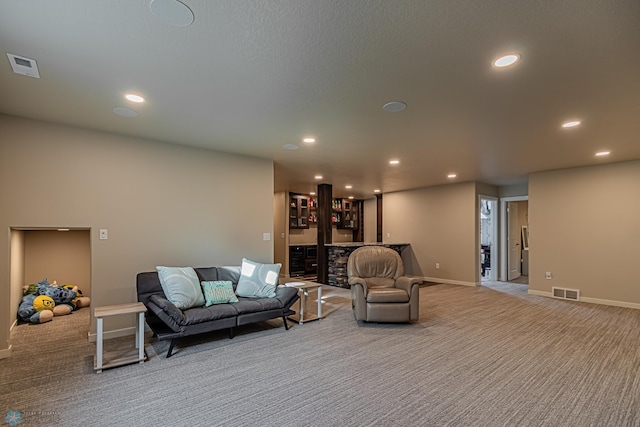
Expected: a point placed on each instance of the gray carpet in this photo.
(486, 356)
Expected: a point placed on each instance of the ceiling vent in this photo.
(570, 294)
(24, 66)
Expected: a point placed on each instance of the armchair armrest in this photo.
(358, 297)
(353, 280)
(406, 283)
(411, 285)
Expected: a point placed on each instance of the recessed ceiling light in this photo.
(290, 146)
(350, 197)
(172, 12)
(571, 124)
(318, 177)
(394, 106)
(376, 190)
(603, 153)
(134, 98)
(63, 229)
(312, 193)
(505, 61)
(394, 162)
(348, 186)
(125, 112)
(451, 175)
(309, 140)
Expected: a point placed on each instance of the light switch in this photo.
(266, 236)
(104, 235)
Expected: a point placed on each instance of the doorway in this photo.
(514, 254)
(488, 238)
(57, 254)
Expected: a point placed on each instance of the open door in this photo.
(513, 241)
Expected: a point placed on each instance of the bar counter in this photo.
(338, 255)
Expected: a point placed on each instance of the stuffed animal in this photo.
(42, 301)
(80, 300)
(28, 312)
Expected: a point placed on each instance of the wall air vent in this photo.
(570, 294)
(23, 65)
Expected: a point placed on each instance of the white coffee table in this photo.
(303, 289)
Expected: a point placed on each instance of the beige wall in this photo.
(280, 230)
(441, 225)
(163, 204)
(513, 190)
(61, 256)
(371, 220)
(304, 236)
(16, 280)
(584, 229)
(523, 212)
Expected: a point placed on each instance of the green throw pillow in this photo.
(218, 292)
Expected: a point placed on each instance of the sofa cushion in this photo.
(254, 305)
(218, 292)
(231, 273)
(379, 282)
(387, 295)
(181, 286)
(196, 315)
(258, 280)
(207, 273)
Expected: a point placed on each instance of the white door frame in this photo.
(504, 245)
(496, 243)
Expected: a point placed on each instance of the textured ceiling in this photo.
(249, 76)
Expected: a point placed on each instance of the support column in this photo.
(379, 218)
(324, 230)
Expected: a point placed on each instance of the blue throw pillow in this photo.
(218, 292)
(258, 280)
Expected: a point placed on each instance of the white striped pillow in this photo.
(181, 286)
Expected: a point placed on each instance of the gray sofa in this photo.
(170, 323)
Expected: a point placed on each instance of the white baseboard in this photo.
(450, 282)
(13, 325)
(588, 300)
(5, 353)
(116, 333)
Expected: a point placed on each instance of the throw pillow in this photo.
(258, 280)
(181, 286)
(218, 292)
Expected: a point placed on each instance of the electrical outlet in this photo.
(104, 234)
(266, 236)
(437, 266)
(388, 235)
(547, 275)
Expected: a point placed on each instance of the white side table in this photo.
(119, 358)
(304, 288)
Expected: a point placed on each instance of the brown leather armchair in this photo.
(379, 290)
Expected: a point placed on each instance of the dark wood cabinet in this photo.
(347, 214)
(298, 211)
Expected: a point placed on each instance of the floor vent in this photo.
(570, 294)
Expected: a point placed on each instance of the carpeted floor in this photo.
(486, 356)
